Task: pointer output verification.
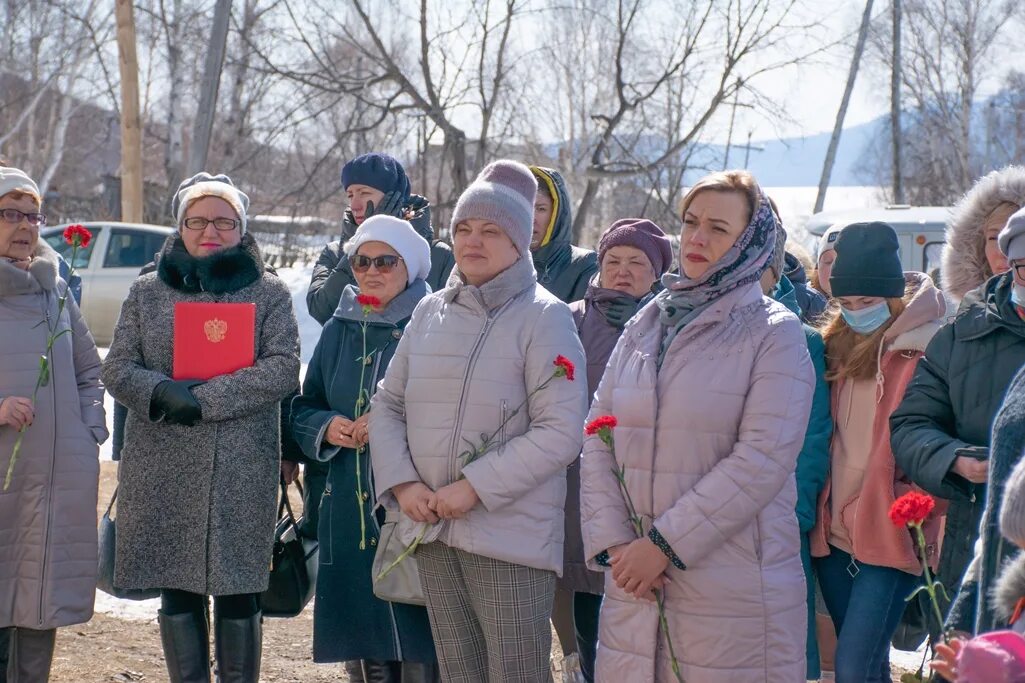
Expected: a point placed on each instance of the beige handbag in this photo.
(402, 583)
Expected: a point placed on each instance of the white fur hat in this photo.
(400, 236)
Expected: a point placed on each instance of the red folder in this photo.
(213, 339)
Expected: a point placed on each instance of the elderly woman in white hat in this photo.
(390, 262)
(198, 479)
(47, 515)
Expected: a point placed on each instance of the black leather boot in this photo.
(186, 641)
(381, 672)
(30, 653)
(238, 644)
(417, 672)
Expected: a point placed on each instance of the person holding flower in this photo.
(632, 255)
(866, 566)
(711, 386)
(472, 429)
(390, 262)
(48, 510)
(198, 479)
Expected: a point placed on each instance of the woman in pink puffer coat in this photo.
(712, 387)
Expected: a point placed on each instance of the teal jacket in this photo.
(813, 461)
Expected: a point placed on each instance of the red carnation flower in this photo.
(911, 509)
(564, 367)
(599, 423)
(367, 300)
(77, 235)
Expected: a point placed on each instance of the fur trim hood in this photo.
(227, 270)
(1009, 588)
(964, 256)
(42, 274)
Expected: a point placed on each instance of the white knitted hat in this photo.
(400, 236)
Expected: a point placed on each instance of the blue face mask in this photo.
(1018, 295)
(867, 320)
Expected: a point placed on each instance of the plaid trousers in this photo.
(489, 618)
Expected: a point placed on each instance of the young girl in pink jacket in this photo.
(866, 566)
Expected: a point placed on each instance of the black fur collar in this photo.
(227, 270)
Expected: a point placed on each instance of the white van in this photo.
(920, 230)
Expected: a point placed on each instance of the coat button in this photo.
(373, 541)
(396, 334)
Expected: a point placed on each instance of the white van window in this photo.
(932, 257)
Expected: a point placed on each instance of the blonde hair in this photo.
(18, 194)
(850, 355)
(726, 181)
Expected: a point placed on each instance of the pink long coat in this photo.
(709, 443)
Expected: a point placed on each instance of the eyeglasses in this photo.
(384, 264)
(14, 217)
(1019, 269)
(200, 223)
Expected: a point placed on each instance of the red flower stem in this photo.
(927, 575)
(635, 519)
(44, 370)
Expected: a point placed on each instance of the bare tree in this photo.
(947, 47)
(714, 50)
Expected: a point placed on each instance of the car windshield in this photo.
(56, 240)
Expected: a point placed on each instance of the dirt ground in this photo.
(114, 650)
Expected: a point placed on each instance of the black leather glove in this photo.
(390, 205)
(174, 403)
(620, 311)
(349, 227)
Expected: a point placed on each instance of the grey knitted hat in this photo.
(502, 193)
(1011, 239)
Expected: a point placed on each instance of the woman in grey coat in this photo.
(200, 463)
(48, 514)
(470, 356)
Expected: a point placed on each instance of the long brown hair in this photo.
(850, 355)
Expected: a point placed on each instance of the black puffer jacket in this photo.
(950, 404)
(331, 273)
(562, 269)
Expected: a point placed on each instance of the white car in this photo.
(108, 267)
(920, 230)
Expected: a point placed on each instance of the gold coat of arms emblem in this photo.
(216, 330)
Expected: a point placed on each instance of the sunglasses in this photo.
(14, 217)
(384, 264)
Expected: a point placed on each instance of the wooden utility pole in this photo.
(208, 87)
(131, 128)
(852, 75)
(895, 107)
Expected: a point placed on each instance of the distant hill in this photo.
(797, 162)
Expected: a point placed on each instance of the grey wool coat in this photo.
(197, 505)
(48, 515)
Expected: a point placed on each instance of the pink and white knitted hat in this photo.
(502, 193)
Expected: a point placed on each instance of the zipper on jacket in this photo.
(504, 415)
(53, 465)
(461, 409)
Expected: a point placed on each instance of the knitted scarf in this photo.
(743, 264)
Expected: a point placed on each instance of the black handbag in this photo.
(105, 567)
(293, 572)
